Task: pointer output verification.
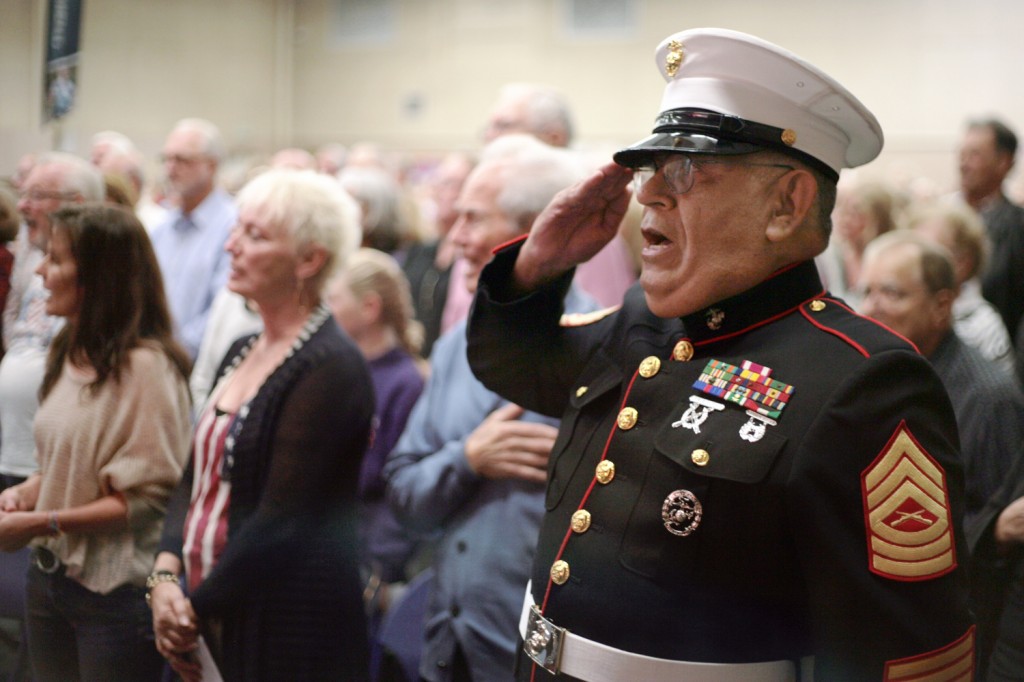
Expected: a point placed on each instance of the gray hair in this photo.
(934, 260)
(532, 173)
(546, 107)
(80, 176)
(213, 142)
(312, 207)
(964, 227)
(387, 220)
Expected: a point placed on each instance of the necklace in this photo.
(313, 322)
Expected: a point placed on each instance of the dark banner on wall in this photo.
(60, 86)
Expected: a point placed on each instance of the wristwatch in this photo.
(154, 579)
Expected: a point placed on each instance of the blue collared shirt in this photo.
(191, 253)
(488, 526)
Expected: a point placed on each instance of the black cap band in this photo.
(698, 131)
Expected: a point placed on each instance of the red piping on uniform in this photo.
(828, 330)
(583, 501)
(880, 324)
(510, 242)
(757, 324)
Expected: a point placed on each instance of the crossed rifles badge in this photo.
(750, 386)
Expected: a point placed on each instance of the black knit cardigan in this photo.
(286, 588)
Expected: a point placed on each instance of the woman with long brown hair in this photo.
(112, 435)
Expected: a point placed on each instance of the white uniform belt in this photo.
(559, 651)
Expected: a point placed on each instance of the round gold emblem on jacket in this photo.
(700, 457)
(683, 351)
(559, 572)
(605, 471)
(817, 306)
(580, 521)
(627, 418)
(650, 366)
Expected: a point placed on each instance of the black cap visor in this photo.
(640, 153)
(698, 131)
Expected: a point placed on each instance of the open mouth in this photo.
(652, 237)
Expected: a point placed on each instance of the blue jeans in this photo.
(76, 634)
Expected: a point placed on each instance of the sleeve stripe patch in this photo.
(952, 662)
(906, 511)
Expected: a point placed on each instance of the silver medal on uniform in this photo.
(696, 413)
(681, 512)
(755, 427)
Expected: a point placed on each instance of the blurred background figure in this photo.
(978, 324)
(190, 241)
(428, 263)
(111, 436)
(294, 158)
(56, 180)
(470, 466)
(987, 155)
(263, 525)
(330, 158)
(542, 111)
(864, 210)
(909, 285)
(389, 217)
(370, 301)
(10, 222)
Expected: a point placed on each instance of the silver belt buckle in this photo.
(543, 641)
(45, 560)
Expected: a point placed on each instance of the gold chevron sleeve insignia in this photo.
(953, 663)
(906, 512)
(583, 319)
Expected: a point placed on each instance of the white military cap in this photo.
(732, 93)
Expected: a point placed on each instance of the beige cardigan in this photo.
(131, 437)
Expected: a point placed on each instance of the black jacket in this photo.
(834, 533)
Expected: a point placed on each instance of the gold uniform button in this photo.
(817, 306)
(650, 366)
(627, 418)
(580, 521)
(580, 391)
(683, 351)
(605, 471)
(700, 457)
(559, 572)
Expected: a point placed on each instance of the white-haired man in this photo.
(470, 465)
(189, 243)
(56, 179)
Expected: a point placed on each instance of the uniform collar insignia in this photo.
(782, 293)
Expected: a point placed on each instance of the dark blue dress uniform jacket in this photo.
(811, 541)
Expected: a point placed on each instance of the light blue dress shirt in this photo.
(488, 526)
(191, 253)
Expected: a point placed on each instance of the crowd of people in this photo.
(251, 418)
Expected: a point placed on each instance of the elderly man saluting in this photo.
(750, 481)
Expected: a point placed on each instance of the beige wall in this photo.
(269, 74)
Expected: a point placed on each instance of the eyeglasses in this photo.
(180, 159)
(888, 294)
(677, 170)
(37, 195)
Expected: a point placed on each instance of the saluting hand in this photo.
(504, 447)
(578, 223)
